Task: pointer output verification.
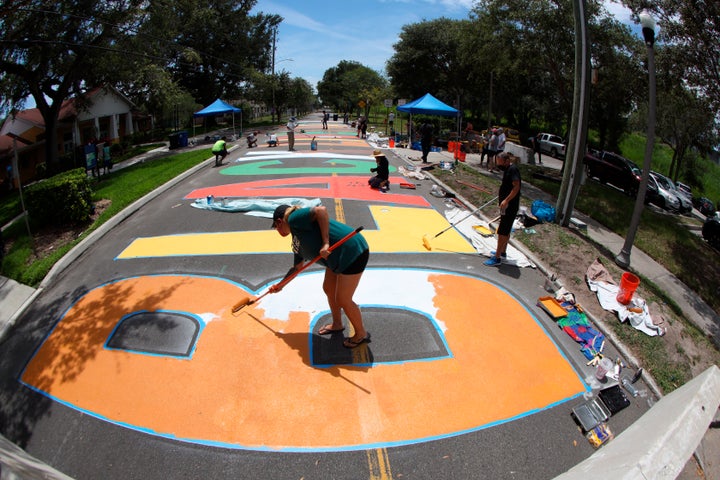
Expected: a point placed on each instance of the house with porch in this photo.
(103, 115)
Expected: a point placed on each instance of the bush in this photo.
(64, 199)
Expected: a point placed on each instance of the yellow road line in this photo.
(379, 464)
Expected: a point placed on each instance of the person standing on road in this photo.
(509, 197)
(312, 233)
(291, 126)
(325, 118)
(426, 132)
(501, 141)
(536, 148)
(485, 138)
(492, 151)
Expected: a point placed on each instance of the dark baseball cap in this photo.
(279, 213)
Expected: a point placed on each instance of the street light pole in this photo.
(648, 31)
(272, 83)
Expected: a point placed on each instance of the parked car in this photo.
(711, 230)
(684, 189)
(614, 169)
(704, 205)
(551, 144)
(661, 192)
(686, 205)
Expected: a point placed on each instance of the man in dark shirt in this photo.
(509, 197)
(426, 132)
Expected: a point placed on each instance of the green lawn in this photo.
(121, 187)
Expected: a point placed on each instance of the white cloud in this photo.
(619, 11)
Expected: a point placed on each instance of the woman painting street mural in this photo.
(313, 232)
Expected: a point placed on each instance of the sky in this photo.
(316, 35)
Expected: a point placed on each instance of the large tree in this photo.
(348, 83)
(428, 59)
(54, 50)
(694, 27)
(529, 46)
(210, 47)
(685, 119)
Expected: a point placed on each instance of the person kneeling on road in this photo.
(220, 150)
(252, 139)
(382, 173)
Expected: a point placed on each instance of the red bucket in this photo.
(451, 147)
(628, 285)
(391, 143)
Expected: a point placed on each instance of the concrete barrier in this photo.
(660, 442)
(16, 463)
(526, 154)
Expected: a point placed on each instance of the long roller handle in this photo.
(335, 245)
(467, 216)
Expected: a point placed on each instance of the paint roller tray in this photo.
(552, 307)
(483, 230)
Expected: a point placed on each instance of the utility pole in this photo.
(274, 108)
(573, 168)
(489, 125)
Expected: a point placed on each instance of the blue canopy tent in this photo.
(218, 107)
(427, 105)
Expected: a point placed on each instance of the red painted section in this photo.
(345, 187)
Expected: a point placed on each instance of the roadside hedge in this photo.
(64, 199)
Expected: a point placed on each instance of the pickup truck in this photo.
(609, 167)
(551, 144)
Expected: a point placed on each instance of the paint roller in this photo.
(245, 301)
(426, 239)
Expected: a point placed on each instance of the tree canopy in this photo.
(349, 83)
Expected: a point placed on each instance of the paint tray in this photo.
(614, 398)
(483, 230)
(552, 307)
(590, 414)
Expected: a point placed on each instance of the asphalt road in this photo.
(131, 364)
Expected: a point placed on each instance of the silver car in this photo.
(661, 192)
(686, 205)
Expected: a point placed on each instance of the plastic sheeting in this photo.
(254, 206)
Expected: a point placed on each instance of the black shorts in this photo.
(358, 266)
(506, 223)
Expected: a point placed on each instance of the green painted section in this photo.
(326, 133)
(277, 167)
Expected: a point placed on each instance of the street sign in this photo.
(361, 104)
(388, 102)
(401, 101)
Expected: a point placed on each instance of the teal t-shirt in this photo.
(310, 239)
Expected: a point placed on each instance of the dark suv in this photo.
(611, 168)
(711, 231)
